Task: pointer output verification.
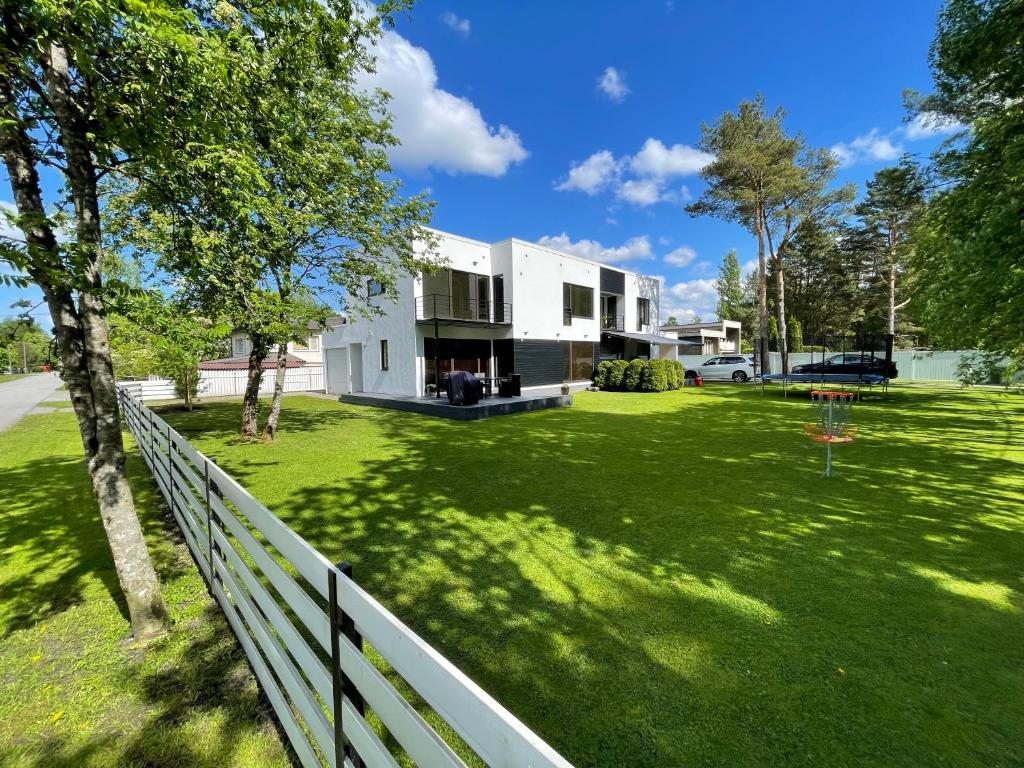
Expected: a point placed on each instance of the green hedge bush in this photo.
(633, 373)
(640, 375)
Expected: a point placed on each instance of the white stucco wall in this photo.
(537, 277)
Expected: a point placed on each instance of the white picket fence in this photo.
(309, 378)
(303, 634)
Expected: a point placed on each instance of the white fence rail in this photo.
(309, 378)
(304, 634)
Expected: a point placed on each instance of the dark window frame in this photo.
(571, 307)
(643, 312)
(385, 358)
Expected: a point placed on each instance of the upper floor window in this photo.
(312, 344)
(374, 288)
(384, 354)
(238, 345)
(577, 301)
(643, 313)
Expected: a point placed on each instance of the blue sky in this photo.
(576, 124)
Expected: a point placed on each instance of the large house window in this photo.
(383, 354)
(577, 301)
(239, 345)
(643, 313)
(374, 288)
(579, 360)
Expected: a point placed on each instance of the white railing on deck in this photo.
(303, 634)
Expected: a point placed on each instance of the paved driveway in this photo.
(20, 396)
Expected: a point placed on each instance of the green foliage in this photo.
(601, 374)
(21, 341)
(773, 329)
(796, 335)
(970, 243)
(631, 376)
(616, 374)
(729, 287)
(653, 377)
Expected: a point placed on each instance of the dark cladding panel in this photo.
(613, 281)
(539, 361)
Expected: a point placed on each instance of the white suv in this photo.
(739, 368)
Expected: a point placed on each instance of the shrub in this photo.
(670, 374)
(601, 374)
(632, 374)
(680, 373)
(652, 378)
(616, 374)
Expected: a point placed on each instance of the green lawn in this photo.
(657, 580)
(73, 691)
(5, 377)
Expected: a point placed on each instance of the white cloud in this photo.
(681, 256)
(612, 83)
(747, 268)
(641, 179)
(642, 192)
(611, 221)
(655, 159)
(691, 298)
(633, 249)
(592, 175)
(436, 128)
(461, 26)
(873, 146)
(927, 124)
(663, 240)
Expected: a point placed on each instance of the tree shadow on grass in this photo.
(657, 588)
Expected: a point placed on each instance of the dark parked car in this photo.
(850, 362)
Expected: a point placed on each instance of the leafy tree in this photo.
(312, 201)
(889, 212)
(672, 320)
(23, 344)
(86, 88)
(730, 290)
(970, 245)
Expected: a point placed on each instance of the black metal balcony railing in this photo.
(439, 306)
(613, 323)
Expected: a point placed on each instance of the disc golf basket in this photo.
(833, 408)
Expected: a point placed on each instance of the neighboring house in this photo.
(717, 338)
(303, 369)
(309, 351)
(495, 309)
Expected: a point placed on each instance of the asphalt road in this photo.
(20, 396)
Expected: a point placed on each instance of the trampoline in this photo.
(860, 379)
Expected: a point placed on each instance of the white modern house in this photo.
(495, 309)
(713, 338)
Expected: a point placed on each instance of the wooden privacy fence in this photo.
(303, 621)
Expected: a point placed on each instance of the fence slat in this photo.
(307, 561)
(293, 641)
(302, 604)
(301, 696)
(491, 731)
(415, 735)
(296, 737)
(367, 744)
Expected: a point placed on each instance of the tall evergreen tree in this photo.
(889, 212)
(729, 287)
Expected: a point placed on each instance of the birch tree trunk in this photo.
(81, 331)
(270, 428)
(251, 397)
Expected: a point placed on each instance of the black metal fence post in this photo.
(342, 685)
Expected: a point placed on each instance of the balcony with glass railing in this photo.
(444, 307)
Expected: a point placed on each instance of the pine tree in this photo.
(730, 290)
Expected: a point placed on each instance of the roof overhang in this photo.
(651, 338)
